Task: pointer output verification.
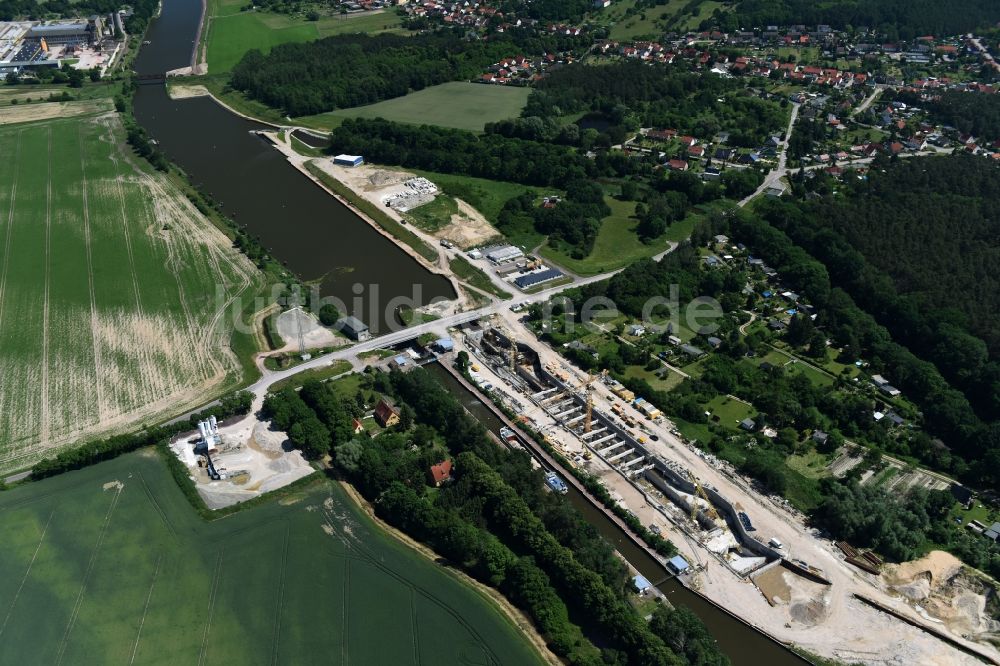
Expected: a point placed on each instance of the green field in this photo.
(616, 246)
(230, 32)
(109, 315)
(458, 104)
(653, 21)
(102, 573)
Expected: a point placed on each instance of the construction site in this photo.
(590, 435)
(739, 547)
(89, 43)
(238, 462)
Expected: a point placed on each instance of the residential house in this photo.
(386, 415)
(440, 473)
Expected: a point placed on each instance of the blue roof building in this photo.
(641, 583)
(531, 279)
(678, 564)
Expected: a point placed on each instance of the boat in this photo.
(553, 481)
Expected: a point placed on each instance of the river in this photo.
(743, 645)
(315, 236)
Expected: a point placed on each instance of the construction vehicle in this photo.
(710, 510)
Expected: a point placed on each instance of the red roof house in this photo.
(440, 472)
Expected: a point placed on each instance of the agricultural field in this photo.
(457, 104)
(112, 289)
(231, 32)
(110, 564)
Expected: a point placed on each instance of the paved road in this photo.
(774, 177)
(987, 56)
(861, 108)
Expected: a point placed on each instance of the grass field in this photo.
(109, 310)
(231, 33)
(111, 565)
(654, 21)
(617, 244)
(457, 104)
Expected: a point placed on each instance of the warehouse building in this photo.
(502, 254)
(354, 328)
(349, 160)
(53, 34)
(531, 279)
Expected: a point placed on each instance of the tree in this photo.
(406, 418)
(311, 436)
(329, 315)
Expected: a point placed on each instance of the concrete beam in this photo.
(619, 456)
(542, 394)
(594, 432)
(634, 461)
(609, 449)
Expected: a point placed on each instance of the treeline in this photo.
(972, 113)
(494, 520)
(630, 94)
(456, 151)
(900, 527)
(917, 245)
(574, 221)
(100, 450)
(898, 19)
(352, 70)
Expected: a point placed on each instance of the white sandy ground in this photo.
(826, 620)
(314, 335)
(248, 446)
(468, 228)
(179, 91)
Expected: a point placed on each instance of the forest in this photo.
(631, 94)
(457, 151)
(352, 70)
(897, 19)
(900, 526)
(494, 520)
(916, 244)
(972, 113)
(574, 221)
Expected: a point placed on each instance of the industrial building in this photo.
(91, 42)
(531, 279)
(349, 160)
(354, 328)
(501, 254)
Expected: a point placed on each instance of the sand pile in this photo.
(941, 588)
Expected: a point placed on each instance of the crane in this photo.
(712, 513)
(588, 419)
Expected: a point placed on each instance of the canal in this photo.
(743, 645)
(315, 236)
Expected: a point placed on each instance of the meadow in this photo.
(458, 104)
(112, 289)
(111, 564)
(230, 32)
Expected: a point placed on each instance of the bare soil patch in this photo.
(27, 113)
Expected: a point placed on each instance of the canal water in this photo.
(743, 645)
(319, 239)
